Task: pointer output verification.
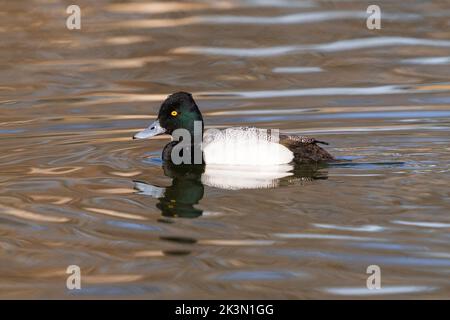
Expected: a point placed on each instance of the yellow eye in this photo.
(174, 113)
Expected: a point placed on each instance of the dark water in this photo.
(75, 189)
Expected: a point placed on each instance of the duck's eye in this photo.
(174, 113)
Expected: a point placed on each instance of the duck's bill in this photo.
(153, 130)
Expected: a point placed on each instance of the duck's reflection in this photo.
(178, 199)
(188, 181)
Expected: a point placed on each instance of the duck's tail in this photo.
(321, 142)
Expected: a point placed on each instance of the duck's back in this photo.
(244, 146)
(305, 149)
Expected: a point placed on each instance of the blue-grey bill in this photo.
(153, 130)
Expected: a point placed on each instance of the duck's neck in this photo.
(195, 129)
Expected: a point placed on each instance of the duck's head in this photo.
(178, 111)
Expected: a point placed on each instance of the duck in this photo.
(247, 146)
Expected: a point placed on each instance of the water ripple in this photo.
(337, 46)
(427, 60)
(358, 291)
(291, 19)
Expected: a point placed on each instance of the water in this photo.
(75, 189)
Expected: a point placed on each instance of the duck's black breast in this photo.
(167, 151)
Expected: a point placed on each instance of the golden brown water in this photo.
(75, 189)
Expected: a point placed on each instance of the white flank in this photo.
(244, 146)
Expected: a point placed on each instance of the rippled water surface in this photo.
(75, 189)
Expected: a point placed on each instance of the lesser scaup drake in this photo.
(235, 146)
